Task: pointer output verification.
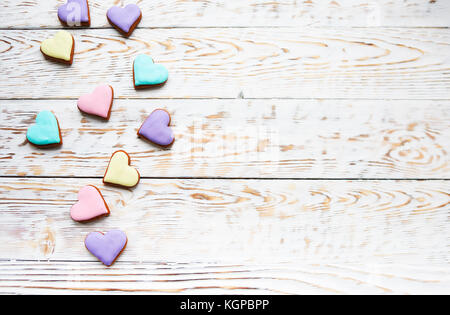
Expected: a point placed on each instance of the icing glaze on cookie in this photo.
(147, 73)
(59, 47)
(156, 128)
(106, 247)
(119, 171)
(97, 103)
(124, 19)
(74, 13)
(90, 205)
(45, 131)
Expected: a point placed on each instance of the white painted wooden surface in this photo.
(261, 13)
(311, 153)
(241, 138)
(376, 63)
(87, 277)
(283, 236)
(236, 221)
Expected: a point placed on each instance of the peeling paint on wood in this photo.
(395, 63)
(238, 13)
(233, 221)
(241, 138)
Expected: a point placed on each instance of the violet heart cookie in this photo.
(119, 171)
(126, 19)
(98, 103)
(106, 247)
(59, 48)
(91, 205)
(45, 133)
(75, 13)
(156, 128)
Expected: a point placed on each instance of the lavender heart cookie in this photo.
(156, 128)
(106, 247)
(75, 13)
(126, 19)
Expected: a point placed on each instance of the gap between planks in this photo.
(219, 27)
(230, 99)
(242, 178)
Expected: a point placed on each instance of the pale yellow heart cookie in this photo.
(59, 47)
(119, 171)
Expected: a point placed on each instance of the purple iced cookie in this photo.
(156, 128)
(75, 13)
(106, 247)
(125, 19)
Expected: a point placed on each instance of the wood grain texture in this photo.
(238, 63)
(55, 277)
(240, 138)
(278, 107)
(236, 221)
(213, 13)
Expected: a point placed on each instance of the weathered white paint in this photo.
(57, 277)
(361, 63)
(236, 221)
(240, 138)
(262, 13)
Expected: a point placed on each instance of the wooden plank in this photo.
(213, 13)
(200, 278)
(240, 138)
(231, 63)
(236, 221)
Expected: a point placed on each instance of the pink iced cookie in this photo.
(90, 205)
(98, 103)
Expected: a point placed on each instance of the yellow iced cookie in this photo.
(119, 171)
(59, 47)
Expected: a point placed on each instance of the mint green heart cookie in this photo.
(147, 73)
(46, 130)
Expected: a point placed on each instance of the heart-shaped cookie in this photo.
(119, 171)
(90, 205)
(147, 74)
(45, 132)
(75, 13)
(125, 19)
(106, 247)
(59, 48)
(156, 128)
(98, 103)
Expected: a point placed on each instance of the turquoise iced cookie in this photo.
(46, 130)
(146, 73)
